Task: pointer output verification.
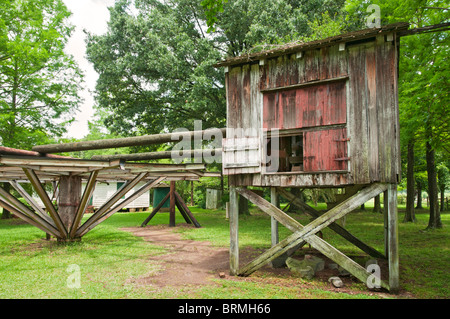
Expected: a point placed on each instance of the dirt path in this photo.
(187, 262)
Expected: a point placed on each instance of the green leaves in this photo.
(39, 82)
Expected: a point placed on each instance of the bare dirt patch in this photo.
(194, 263)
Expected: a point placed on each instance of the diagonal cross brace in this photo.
(307, 233)
(333, 226)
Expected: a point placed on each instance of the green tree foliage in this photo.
(155, 63)
(39, 82)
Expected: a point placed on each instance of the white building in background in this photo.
(104, 191)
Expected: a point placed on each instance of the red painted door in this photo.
(325, 150)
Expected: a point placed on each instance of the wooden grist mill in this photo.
(322, 114)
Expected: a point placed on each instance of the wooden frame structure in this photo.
(175, 200)
(326, 113)
(63, 220)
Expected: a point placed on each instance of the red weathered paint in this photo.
(318, 105)
(325, 150)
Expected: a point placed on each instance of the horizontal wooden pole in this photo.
(161, 155)
(122, 142)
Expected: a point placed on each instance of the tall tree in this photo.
(39, 82)
(423, 81)
(155, 63)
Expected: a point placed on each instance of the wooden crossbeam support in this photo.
(131, 198)
(87, 194)
(155, 210)
(172, 204)
(186, 209)
(114, 199)
(37, 222)
(334, 226)
(34, 180)
(307, 233)
(30, 200)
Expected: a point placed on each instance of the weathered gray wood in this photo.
(30, 200)
(172, 204)
(393, 239)
(119, 206)
(155, 210)
(119, 142)
(69, 199)
(206, 153)
(275, 201)
(88, 191)
(114, 199)
(186, 209)
(333, 226)
(34, 180)
(234, 231)
(41, 224)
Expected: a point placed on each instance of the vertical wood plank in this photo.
(234, 231)
(172, 204)
(275, 201)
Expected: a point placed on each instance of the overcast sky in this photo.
(91, 15)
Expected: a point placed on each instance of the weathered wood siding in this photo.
(342, 99)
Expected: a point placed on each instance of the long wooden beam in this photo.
(34, 180)
(106, 206)
(123, 142)
(307, 233)
(333, 226)
(155, 210)
(131, 198)
(186, 209)
(87, 194)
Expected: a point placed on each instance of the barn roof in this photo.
(296, 47)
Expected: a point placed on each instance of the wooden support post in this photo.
(186, 209)
(106, 206)
(87, 194)
(69, 199)
(41, 224)
(234, 231)
(155, 210)
(172, 204)
(307, 233)
(124, 203)
(34, 180)
(32, 202)
(392, 220)
(333, 226)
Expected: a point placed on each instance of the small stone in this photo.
(222, 275)
(333, 266)
(336, 282)
(300, 268)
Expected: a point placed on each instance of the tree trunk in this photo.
(410, 183)
(419, 196)
(377, 204)
(243, 206)
(435, 216)
(6, 213)
(442, 199)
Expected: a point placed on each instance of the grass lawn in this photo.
(110, 259)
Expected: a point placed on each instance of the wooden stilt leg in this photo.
(234, 232)
(393, 238)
